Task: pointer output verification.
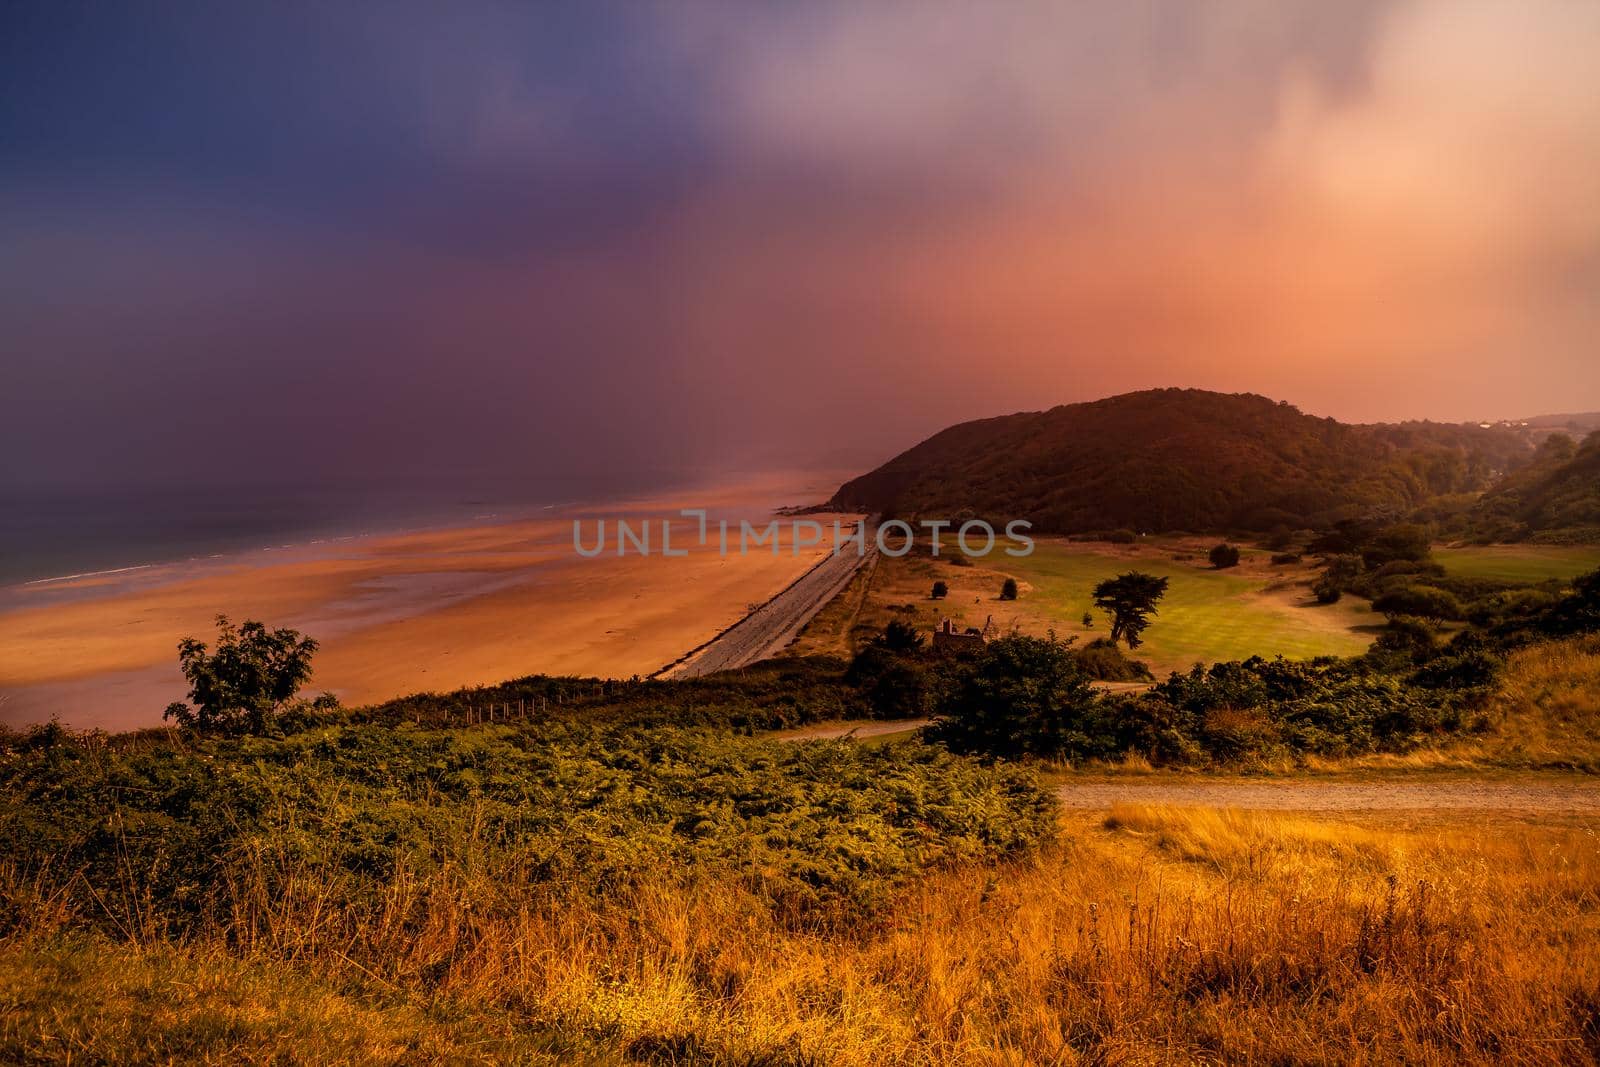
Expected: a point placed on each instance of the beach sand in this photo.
(429, 610)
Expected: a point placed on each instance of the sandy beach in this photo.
(428, 610)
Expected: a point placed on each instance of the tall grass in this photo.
(1548, 707)
(1157, 935)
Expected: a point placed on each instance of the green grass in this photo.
(1206, 616)
(1519, 563)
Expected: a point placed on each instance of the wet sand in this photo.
(428, 610)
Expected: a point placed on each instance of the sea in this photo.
(49, 534)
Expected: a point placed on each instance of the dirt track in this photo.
(1302, 795)
(766, 630)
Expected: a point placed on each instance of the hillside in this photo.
(1181, 459)
(1555, 499)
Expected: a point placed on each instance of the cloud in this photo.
(512, 241)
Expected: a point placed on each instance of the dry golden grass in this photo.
(1548, 710)
(1152, 935)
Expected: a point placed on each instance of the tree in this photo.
(899, 637)
(890, 674)
(1088, 620)
(252, 675)
(940, 590)
(1023, 694)
(1008, 589)
(1130, 599)
(1224, 556)
(1403, 541)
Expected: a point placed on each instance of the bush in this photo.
(940, 590)
(1406, 640)
(1285, 558)
(1105, 661)
(1224, 555)
(1008, 589)
(1340, 574)
(1122, 537)
(1422, 601)
(172, 831)
(1404, 541)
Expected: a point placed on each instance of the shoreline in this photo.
(432, 608)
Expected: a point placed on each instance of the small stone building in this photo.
(949, 639)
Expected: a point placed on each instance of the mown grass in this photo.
(1207, 615)
(1154, 935)
(1519, 563)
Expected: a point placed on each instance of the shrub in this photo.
(1008, 589)
(940, 590)
(1403, 541)
(1105, 661)
(1423, 601)
(1410, 636)
(1224, 555)
(1122, 537)
(172, 831)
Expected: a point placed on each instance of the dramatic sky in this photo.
(282, 240)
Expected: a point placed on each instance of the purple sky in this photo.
(281, 242)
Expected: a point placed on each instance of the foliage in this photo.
(1020, 695)
(771, 695)
(1106, 662)
(584, 810)
(1224, 555)
(247, 681)
(1156, 934)
(1341, 571)
(940, 590)
(1008, 589)
(1130, 599)
(899, 637)
(1423, 601)
(1553, 500)
(1181, 459)
(1261, 709)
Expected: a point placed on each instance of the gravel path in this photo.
(1549, 796)
(768, 629)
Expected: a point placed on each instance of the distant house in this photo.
(949, 639)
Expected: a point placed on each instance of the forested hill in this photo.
(1554, 499)
(1182, 459)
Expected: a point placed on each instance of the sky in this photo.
(336, 243)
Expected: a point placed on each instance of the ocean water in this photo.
(50, 534)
